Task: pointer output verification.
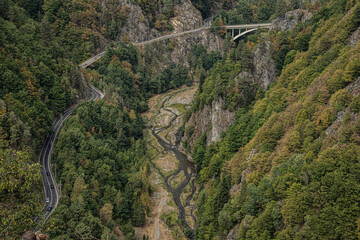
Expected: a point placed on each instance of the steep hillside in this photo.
(287, 168)
(233, 83)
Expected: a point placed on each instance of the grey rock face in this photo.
(136, 28)
(291, 19)
(182, 45)
(212, 120)
(233, 233)
(264, 65)
(355, 37)
(335, 128)
(354, 87)
(175, 50)
(187, 17)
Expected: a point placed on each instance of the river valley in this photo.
(172, 174)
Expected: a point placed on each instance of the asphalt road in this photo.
(50, 186)
(92, 60)
(207, 24)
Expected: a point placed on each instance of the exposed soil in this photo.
(172, 176)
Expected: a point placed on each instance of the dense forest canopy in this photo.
(295, 179)
(41, 45)
(104, 175)
(38, 81)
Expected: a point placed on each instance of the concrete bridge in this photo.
(207, 24)
(247, 27)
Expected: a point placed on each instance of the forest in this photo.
(295, 180)
(39, 80)
(104, 177)
(102, 167)
(286, 168)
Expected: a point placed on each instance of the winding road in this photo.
(51, 190)
(207, 24)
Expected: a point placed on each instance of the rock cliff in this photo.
(214, 119)
(264, 66)
(289, 21)
(355, 37)
(159, 54)
(136, 28)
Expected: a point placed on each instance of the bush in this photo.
(352, 70)
(189, 233)
(189, 131)
(340, 100)
(355, 104)
(336, 81)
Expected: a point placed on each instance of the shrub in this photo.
(352, 70)
(336, 81)
(189, 131)
(340, 100)
(355, 104)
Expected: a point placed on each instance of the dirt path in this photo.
(172, 175)
(160, 207)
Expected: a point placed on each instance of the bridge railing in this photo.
(245, 26)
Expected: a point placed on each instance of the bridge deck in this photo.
(246, 26)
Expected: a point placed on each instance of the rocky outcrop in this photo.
(157, 55)
(264, 69)
(187, 17)
(354, 87)
(233, 233)
(237, 188)
(335, 128)
(264, 66)
(212, 120)
(182, 45)
(136, 28)
(355, 37)
(289, 21)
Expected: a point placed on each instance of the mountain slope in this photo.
(288, 166)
